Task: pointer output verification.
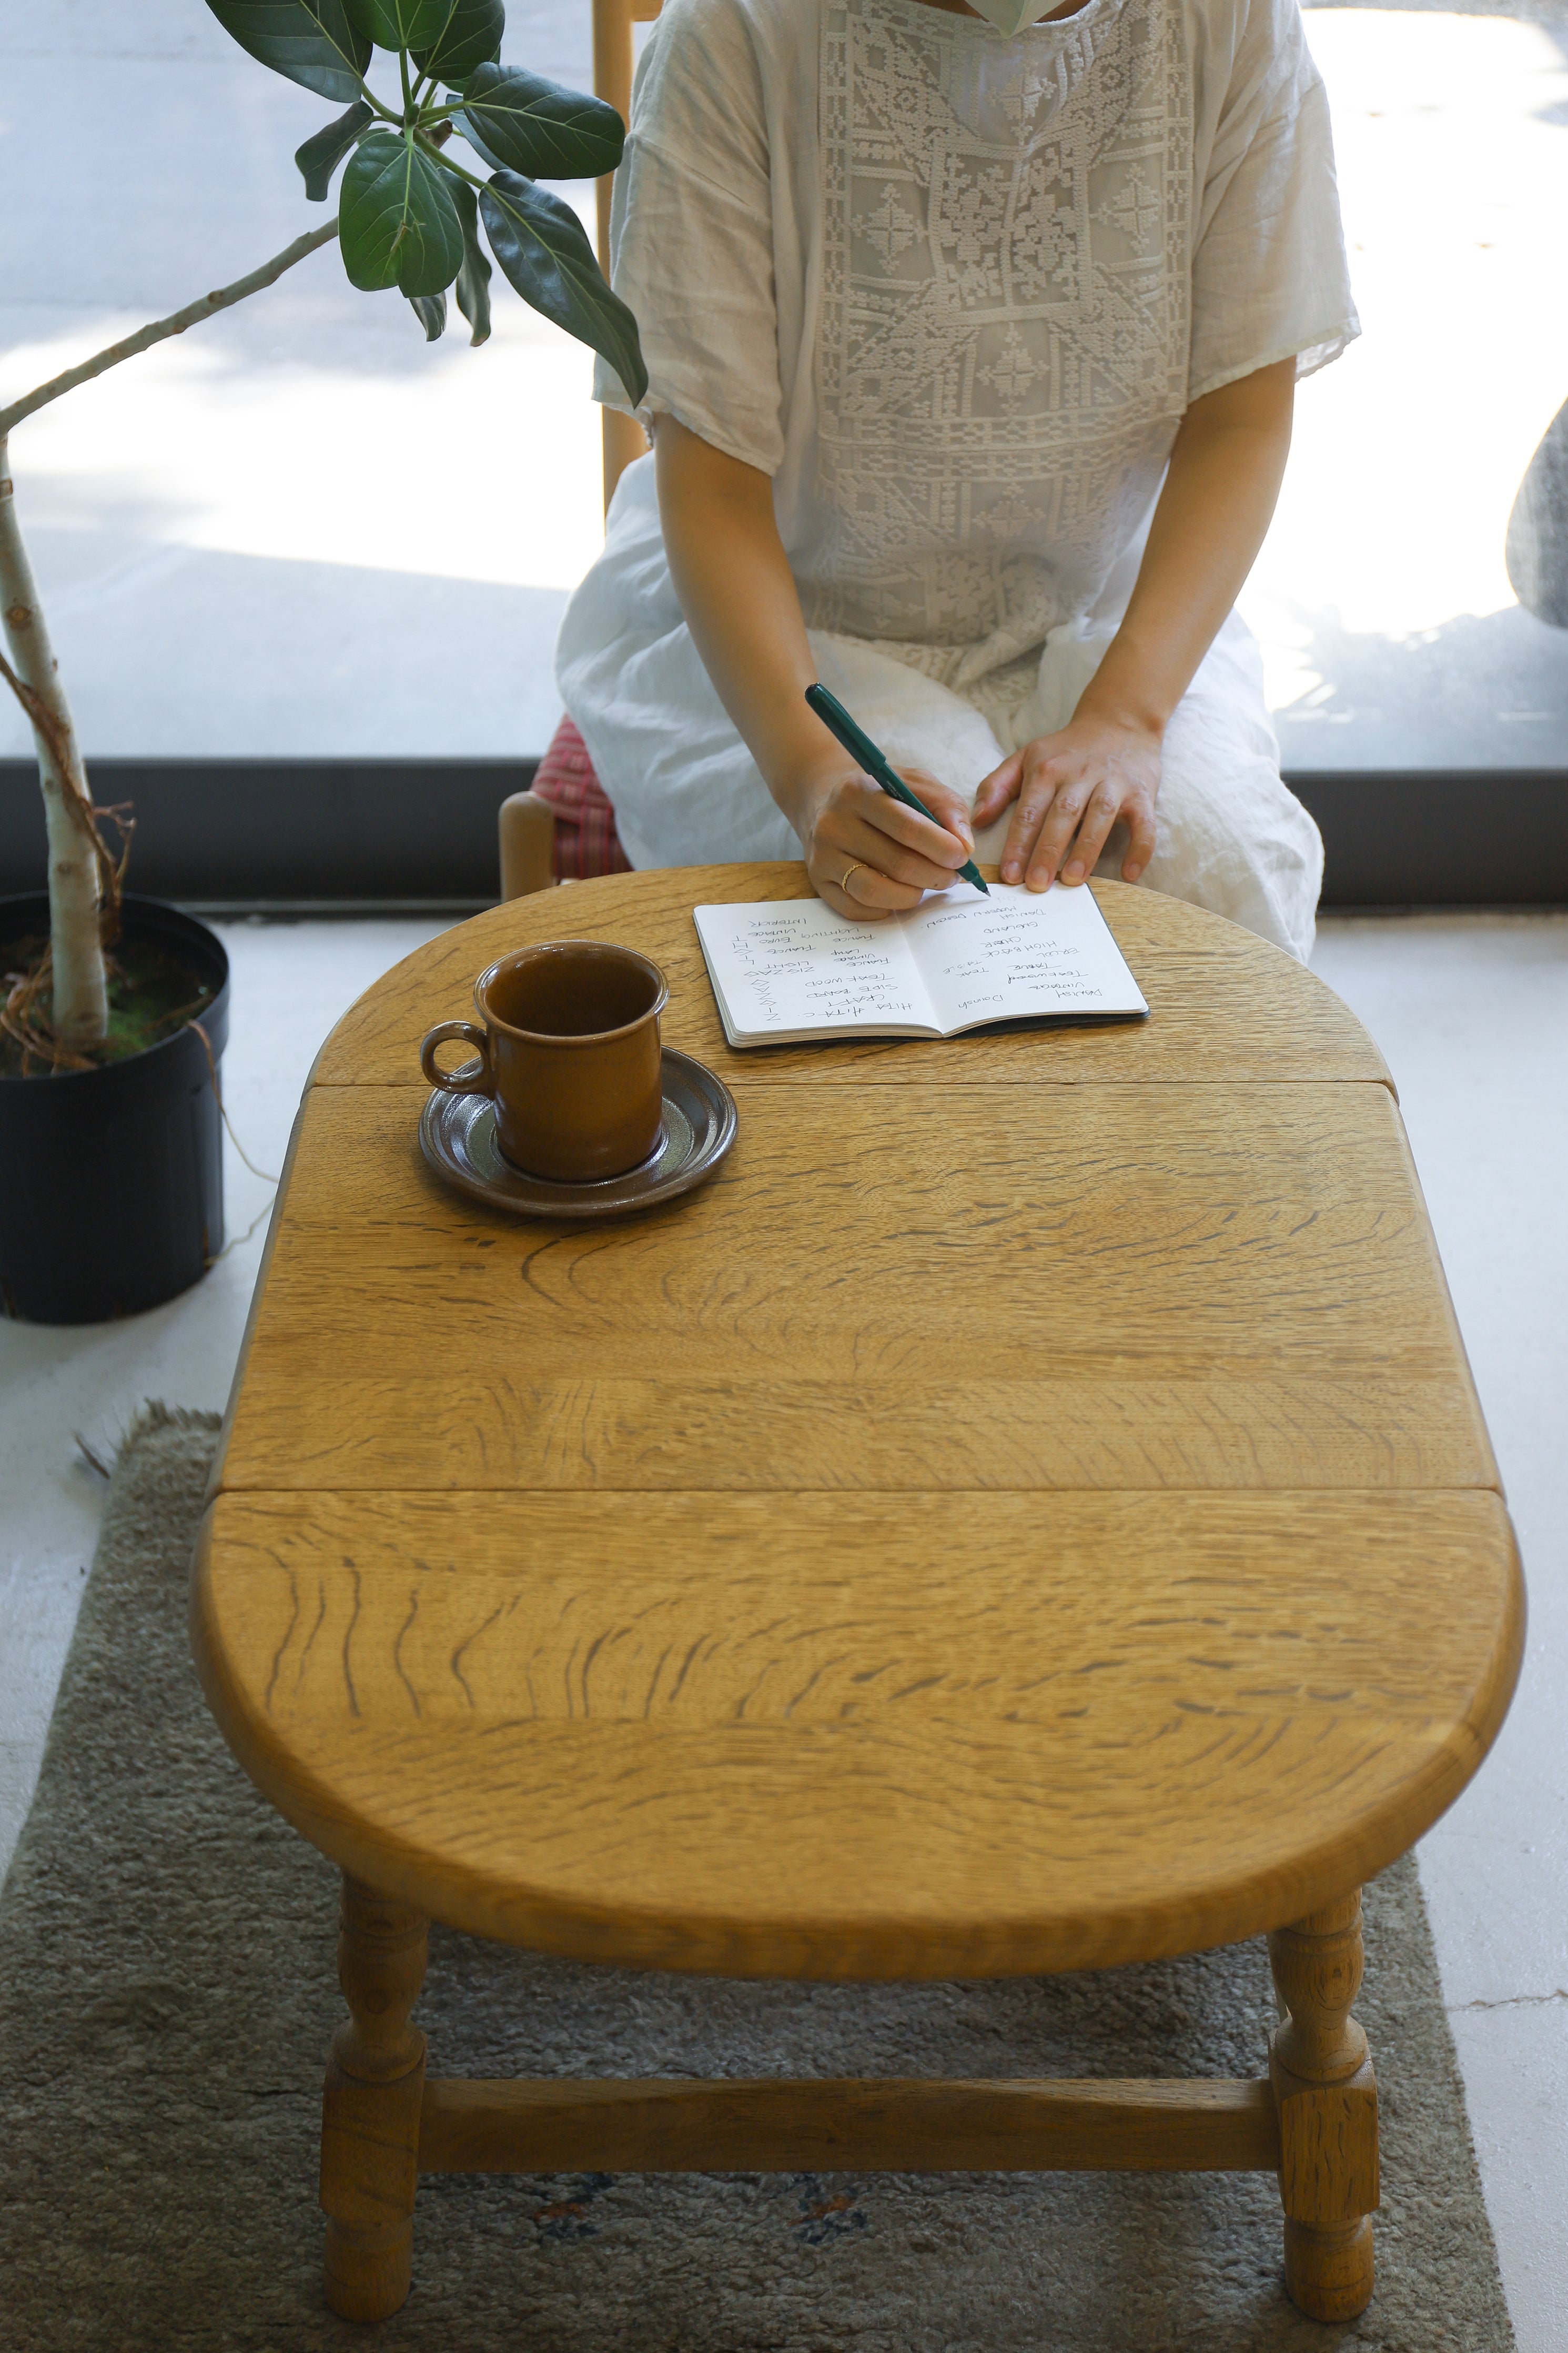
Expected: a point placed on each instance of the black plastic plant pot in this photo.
(111, 1180)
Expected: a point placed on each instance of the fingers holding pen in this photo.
(909, 844)
(869, 856)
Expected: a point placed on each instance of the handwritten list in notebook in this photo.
(790, 970)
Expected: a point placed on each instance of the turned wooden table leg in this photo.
(370, 2112)
(1327, 2097)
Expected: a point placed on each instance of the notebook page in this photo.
(794, 966)
(1018, 953)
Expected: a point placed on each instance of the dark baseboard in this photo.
(1425, 837)
(280, 836)
(346, 837)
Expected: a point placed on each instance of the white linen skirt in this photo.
(1229, 836)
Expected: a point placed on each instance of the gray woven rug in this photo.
(167, 1997)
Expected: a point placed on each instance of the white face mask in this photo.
(1011, 17)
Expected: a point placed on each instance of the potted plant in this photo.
(113, 1011)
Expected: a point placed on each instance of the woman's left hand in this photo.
(1071, 788)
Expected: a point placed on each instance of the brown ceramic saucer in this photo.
(458, 1137)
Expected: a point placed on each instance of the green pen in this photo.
(860, 747)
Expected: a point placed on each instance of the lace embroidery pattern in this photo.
(1005, 322)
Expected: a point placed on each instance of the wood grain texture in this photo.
(1327, 2097)
(997, 1525)
(860, 1736)
(1202, 1286)
(773, 2126)
(371, 2106)
(526, 830)
(1224, 1004)
(1030, 1512)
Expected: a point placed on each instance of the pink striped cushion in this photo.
(585, 839)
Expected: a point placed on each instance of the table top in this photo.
(1029, 1512)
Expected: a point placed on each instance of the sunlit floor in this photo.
(1470, 1012)
(302, 531)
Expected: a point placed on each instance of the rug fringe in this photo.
(151, 1416)
(154, 1415)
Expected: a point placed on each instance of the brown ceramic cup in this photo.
(569, 1050)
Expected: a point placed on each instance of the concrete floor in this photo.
(1470, 1012)
(289, 984)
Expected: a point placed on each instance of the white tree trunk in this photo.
(80, 1003)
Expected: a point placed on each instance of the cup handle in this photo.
(467, 1079)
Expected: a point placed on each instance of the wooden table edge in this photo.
(893, 1949)
(384, 2123)
(597, 886)
(749, 1076)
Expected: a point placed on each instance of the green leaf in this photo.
(539, 242)
(460, 122)
(313, 42)
(430, 310)
(319, 157)
(472, 38)
(397, 222)
(401, 23)
(525, 124)
(473, 277)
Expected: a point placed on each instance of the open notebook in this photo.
(790, 970)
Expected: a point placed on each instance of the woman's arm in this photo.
(739, 596)
(1225, 473)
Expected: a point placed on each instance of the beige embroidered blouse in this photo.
(954, 291)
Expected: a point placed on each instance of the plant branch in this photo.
(379, 105)
(162, 329)
(435, 143)
(76, 980)
(84, 812)
(41, 717)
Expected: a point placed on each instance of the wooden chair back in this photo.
(527, 824)
(613, 57)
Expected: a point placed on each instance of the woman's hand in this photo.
(867, 854)
(1071, 788)
(739, 596)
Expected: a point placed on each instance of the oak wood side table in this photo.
(1030, 1512)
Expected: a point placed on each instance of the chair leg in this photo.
(370, 2112)
(527, 845)
(625, 441)
(1327, 2098)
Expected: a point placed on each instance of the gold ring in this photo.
(858, 868)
